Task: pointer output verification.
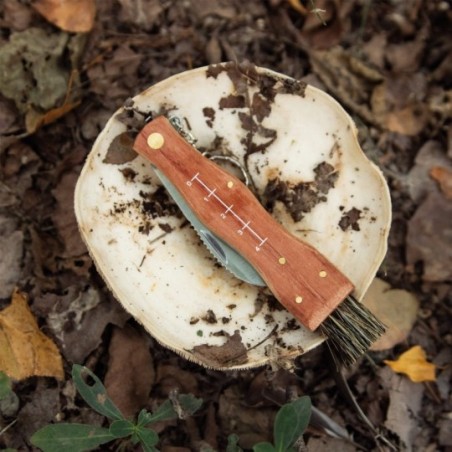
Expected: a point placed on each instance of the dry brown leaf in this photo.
(444, 178)
(419, 181)
(24, 350)
(11, 244)
(396, 308)
(130, 374)
(428, 238)
(414, 364)
(398, 104)
(76, 16)
(403, 414)
(408, 121)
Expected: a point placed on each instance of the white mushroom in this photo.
(301, 152)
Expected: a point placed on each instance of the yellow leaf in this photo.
(414, 364)
(76, 16)
(297, 6)
(24, 350)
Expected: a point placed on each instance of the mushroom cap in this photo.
(301, 152)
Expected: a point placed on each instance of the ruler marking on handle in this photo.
(245, 226)
(229, 209)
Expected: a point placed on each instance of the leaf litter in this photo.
(131, 373)
(76, 16)
(396, 308)
(387, 64)
(26, 351)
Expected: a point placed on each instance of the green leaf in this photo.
(189, 403)
(144, 418)
(122, 428)
(73, 437)
(95, 395)
(5, 385)
(263, 447)
(233, 444)
(291, 421)
(186, 404)
(148, 438)
(164, 412)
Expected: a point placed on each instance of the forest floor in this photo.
(389, 63)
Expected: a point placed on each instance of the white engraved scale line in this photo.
(228, 209)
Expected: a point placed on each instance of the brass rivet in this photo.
(155, 140)
(323, 274)
(298, 299)
(282, 260)
(230, 184)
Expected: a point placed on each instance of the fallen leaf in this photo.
(130, 374)
(327, 443)
(78, 319)
(403, 416)
(132, 11)
(325, 23)
(170, 377)
(11, 244)
(374, 49)
(251, 424)
(398, 104)
(8, 115)
(16, 15)
(410, 120)
(414, 364)
(35, 75)
(76, 16)
(348, 78)
(42, 407)
(419, 180)
(405, 57)
(445, 432)
(396, 308)
(215, 8)
(64, 218)
(428, 238)
(25, 350)
(444, 178)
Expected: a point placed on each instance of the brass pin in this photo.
(230, 184)
(298, 299)
(282, 260)
(155, 140)
(323, 274)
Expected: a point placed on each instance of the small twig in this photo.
(318, 12)
(347, 392)
(7, 427)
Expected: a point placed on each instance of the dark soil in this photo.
(388, 62)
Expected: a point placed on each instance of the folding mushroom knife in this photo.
(239, 231)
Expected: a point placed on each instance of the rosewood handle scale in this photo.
(301, 278)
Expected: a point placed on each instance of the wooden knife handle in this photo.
(301, 278)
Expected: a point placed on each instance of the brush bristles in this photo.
(351, 329)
